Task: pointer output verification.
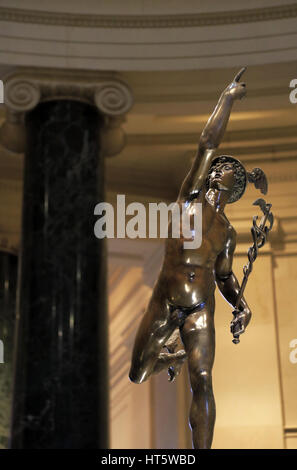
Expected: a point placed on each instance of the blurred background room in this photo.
(109, 97)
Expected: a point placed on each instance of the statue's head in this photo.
(228, 174)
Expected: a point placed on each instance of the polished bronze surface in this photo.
(183, 297)
(259, 233)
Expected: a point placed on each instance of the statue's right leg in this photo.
(156, 327)
(198, 336)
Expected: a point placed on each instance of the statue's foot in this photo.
(171, 374)
(174, 370)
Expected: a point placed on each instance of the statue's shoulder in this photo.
(231, 232)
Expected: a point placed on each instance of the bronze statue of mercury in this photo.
(179, 318)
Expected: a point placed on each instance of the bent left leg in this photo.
(156, 328)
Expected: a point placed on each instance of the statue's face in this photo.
(222, 176)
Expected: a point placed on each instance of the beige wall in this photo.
(130, 406)
(246, 376)
(285, 275)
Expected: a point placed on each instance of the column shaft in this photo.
(60, 396)
(8, 281)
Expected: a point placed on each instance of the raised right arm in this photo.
(211, 138)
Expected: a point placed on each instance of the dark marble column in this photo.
(60, 395)
(8, 281)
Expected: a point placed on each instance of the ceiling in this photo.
(147, 35)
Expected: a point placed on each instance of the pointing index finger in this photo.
(239, 74)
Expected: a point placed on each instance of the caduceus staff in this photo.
(259, 234)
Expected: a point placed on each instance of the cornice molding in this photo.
(230, 136)
(283, 178)
(150, 184)
(135, 181)
(148, 21)
(186, 96)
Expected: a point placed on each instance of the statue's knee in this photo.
(201, 380)
(138, 375)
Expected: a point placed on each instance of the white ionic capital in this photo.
(23, 90)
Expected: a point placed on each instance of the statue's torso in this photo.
(187, 277)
